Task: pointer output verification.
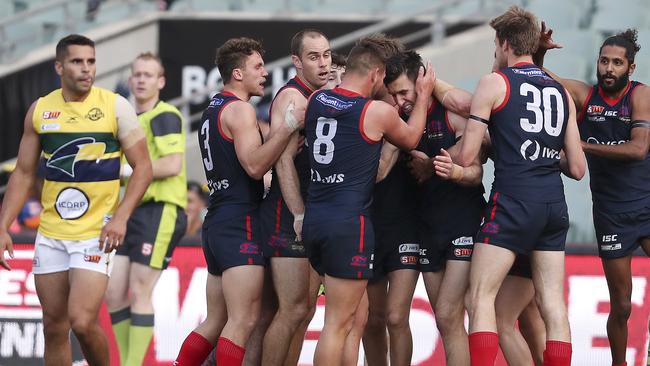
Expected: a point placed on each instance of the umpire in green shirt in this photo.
(157, 224)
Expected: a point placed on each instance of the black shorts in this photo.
(232, 242)
(397, 247)
(343, 249)
(521, 267)
(619, 234)
(278, 235)
(152, 232)
(523, 226)
(449, 234)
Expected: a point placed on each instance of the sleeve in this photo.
(128, 128)
(167, 130)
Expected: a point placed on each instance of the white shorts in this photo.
(53, 255)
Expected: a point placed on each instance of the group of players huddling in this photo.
(377, 177)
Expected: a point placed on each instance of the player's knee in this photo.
(82, 324)
(55, 327)
(397, 319)
(295, 311)
(621, 308)
(447, 319)
(376, 320)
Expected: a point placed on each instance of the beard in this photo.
(619, 82)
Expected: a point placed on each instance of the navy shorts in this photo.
(523, 226)
(397, 247)
(343, 249)
(278, 235)
(619, 234)
(521, 267)
(232, 242)
(152, 233)
(449, 233)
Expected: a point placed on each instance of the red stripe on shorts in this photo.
(249, 231)
(494, 206)
(361, 227)
(278, 215)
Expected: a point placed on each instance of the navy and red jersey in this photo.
(301, 160)
(343, 159)
(440, 134)
(616, 185)
(395, 197)
(232, 191)
(527, 132)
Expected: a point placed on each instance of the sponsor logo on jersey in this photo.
(409, 248)
(610, 247)
(595, 109)
(216, 102)
(463, 252)
(593, 140)
(147, 248)
(95, 114)
(359, 261)
(71, 203)
(526, 153)
(409, 259)
(529, 72)
(218, 185)
(249, 248)
(51, 114)
(334, 102)
(330, 179)
(50, 127)
(463, 241)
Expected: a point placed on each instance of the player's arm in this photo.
(167, 128)
(134, 146)
(572, 162)
(445, 167)
(452, 98)
(254, 156)
(489, 93)
(285, 167)
(387, 160)
(389, 125)
(637, 147)
(20, 181)
(578, 90)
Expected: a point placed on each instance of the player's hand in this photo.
(545, 39)
(445, 167)
(420, 166)
(6, 244)
(297, 226)
(426, 81)
(112, 235)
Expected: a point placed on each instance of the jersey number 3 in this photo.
(205, 133)
(324, 146)
(543, 116)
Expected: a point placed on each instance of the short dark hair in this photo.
(197, 188)
(408, 62)
(372, 51)
(70, 40)
(233, 53)
(627, 40)
(297, 39)
(339, 59)
(520, 28)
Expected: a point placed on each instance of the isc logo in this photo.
(610, 238)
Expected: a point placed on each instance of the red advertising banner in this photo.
(179, 300)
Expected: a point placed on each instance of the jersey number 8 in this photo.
(326, 154)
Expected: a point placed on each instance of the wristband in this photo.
(299, 217)
(479, 119)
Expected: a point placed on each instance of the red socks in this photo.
(228, 353)
(194, 351)
(483, 348)
(557, 353)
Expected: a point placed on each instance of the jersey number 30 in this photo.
(324, 146)
(543, 116)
